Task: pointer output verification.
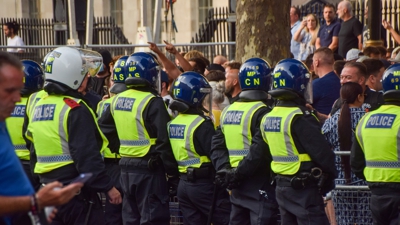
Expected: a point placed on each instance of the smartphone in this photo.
(82, 178)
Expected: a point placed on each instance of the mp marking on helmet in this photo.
(273, 124)
(396, 73)
(177, 131)
(19, 111)
(124, 104)
(233, 117)
(44, 112)
(48, 68)
(251, 73)
(282, 82)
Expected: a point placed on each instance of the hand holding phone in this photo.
(82, 178)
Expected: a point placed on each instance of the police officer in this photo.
(301, 157)
(239, 123)
(66, 137)
(34, 79)
(190, 134)
(30, 104)
(139, 117)
(375, 152)
(111, 158)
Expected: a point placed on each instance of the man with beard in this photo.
(11, 32)
(328, 33)
(232, 87)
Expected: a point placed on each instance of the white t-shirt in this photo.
(16, 41)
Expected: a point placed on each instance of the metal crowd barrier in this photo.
(210, 50)
(31, 52)
(351, 202)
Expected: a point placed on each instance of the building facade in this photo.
(188, 14)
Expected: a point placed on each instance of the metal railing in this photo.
(210, 50)
(351, 202)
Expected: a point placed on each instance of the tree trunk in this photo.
(263, 30)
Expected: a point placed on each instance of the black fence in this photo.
(390, 12)
(215, 29)
(35, 31)
(105, 31)
(47, 32)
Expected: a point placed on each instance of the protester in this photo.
(295, 25)
(16, 192)
(329, 32)
(350, 30)
(338, 131)
(11, 32)
(306, 35)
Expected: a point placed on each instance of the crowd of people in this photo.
(235, 142)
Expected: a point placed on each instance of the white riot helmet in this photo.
(69, 66)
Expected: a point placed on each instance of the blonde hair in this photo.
(193, 54)
(314, 36)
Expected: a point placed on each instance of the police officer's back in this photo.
(33, 82)
(375, 152)
(190, 134)
(301, 157)
(139, 117)
(111, 158)
(66, 137)
(239, 123)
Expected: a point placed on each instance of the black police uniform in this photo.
(255, 187)
(195, 190)
(140, 205)
(305, 206)
(372, 101)
(85, 143)
(113, 212)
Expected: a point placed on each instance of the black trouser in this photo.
(113, 212)
(385, 207)
(146, 199)
(195, 199)
(33, 178)
(301, 207)
(82, 206)
(250, 207)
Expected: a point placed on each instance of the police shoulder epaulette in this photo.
(71, 103)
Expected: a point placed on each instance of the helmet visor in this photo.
(91, 62)
(308, 92)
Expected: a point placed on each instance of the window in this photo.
(34, 6)
(116, 12)
(204, 6)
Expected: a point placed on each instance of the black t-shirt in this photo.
(348, 33)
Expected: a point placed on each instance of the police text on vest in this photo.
(19, 111)
(176, 131)
(44, 112)
(124, 104)
(233, 117)
(381, 120)
(273, 124)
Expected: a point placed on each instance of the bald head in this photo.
(219, 59)
(345, 10)
(325, 56)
